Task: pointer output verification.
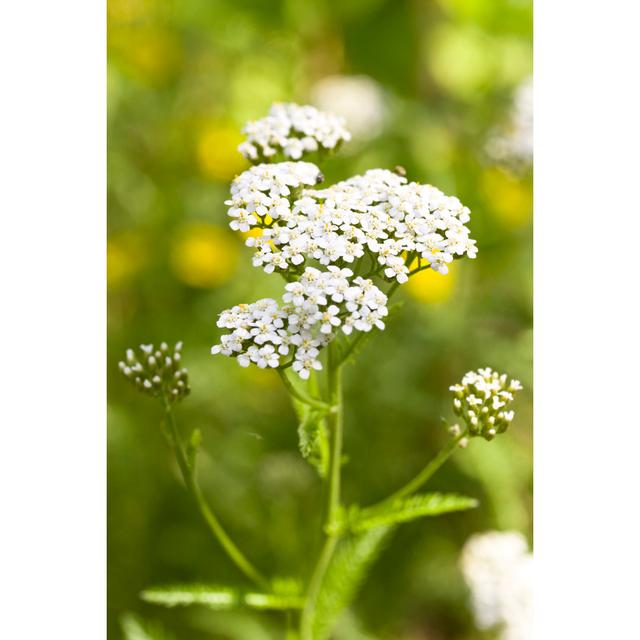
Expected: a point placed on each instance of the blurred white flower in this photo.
(358, 99)
(498, 569)
(511, 144)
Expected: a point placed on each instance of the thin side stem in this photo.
(335, 423)
(213, 523)
(418, 481)
(298, 395)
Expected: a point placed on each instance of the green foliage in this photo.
(407, 509)
(313, 439)
(347, 570)
(135, 628)
(220, 598)
(193, 446)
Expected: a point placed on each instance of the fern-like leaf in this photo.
(314, 441)
(350, 563)
(407, 509)
(221, 598)
(189, 594)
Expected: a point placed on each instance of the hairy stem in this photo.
(335, 421)
(213, 523)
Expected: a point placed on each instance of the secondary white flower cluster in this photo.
(314, 308)
(378, 212)
(262, 193)
(498, 568)
(482, 400)
(157, 371)
(293, 130)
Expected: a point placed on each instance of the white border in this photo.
(587, 319)
(52, 471)
(52, 451)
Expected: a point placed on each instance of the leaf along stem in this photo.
(238, 558)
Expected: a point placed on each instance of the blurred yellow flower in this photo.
(511, 198)
(431, 287)
(151, 52)
(204, 255)
(128, 10)
(217, 152)
(126, 256)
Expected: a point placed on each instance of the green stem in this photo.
(335, 422)
(298, 395)
(413, 485)
(213, 523)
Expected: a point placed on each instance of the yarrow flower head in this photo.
(294, 131)
(482, 400)
(378, 213)
(261, 194)
(157, 371)
(313, 309)
(498, 569)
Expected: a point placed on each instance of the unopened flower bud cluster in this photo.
(482, 400)
(292, 130)
(314, 308)
(377, 213)
(157, 372)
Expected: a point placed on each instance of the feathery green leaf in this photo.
(353, 557)
(407, 509)
(220, 598)
(314, 441)
(182, 595)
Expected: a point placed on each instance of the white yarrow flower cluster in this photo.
(482, 400)
(314, 307)
(377, 213)
(498, 569)
(262, 193)
(292, 130)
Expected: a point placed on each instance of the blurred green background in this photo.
(432, 80)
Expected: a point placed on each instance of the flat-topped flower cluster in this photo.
(378, 214)
(314, 307)
(292, 130)
(482, 400)
(327, 243)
